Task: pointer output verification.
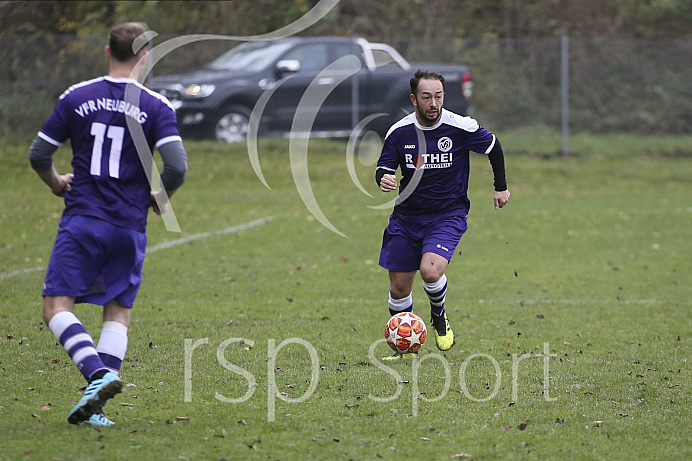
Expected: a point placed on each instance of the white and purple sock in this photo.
(78, 344)
(112, 345)
(400, 305)
(437, 293)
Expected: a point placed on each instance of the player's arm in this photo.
(41, 160)
(385, 174)
(386, 179)
(497, 162)
(173, 175)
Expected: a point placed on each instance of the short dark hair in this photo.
(121, 38)
(425, 74)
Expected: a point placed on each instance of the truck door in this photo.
(281, 108)
(335, 114)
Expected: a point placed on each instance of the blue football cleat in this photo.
(98, 419)
(96, 393)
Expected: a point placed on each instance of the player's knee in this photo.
(53, 305)
(431, 274)
(399, 292)
(115, 312)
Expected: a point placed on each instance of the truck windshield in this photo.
(249, 57)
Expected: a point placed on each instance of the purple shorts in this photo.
(95, 262)
(405, 242)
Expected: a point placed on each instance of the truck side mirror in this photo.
(287, 66)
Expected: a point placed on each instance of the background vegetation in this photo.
(628, 60)
(390, 19)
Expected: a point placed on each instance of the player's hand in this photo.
(388, 183)
(159, 197)
(501, 198)
(62, 184)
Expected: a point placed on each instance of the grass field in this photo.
(254, 333)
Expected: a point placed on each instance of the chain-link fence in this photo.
(630, 86)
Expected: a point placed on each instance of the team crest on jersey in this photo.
(444, 144)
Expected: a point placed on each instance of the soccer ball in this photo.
(405, 332)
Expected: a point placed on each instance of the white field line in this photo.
(201, 235)
(8, 275)
(164, 245)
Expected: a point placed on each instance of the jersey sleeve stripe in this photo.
(168, 139)
(490, 147)
(47, 138)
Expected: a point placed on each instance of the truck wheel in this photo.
(232, 124)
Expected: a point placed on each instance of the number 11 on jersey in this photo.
(116, 134)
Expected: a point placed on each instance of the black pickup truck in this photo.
(322, 86)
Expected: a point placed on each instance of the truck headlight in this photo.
(199, 90)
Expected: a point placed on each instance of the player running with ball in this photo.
(431, 147)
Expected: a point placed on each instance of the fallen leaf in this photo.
(559, 421)
(522, 426)
(182, 418)
(243, 422)
(425, 439)
(506, 428)
(45, 408)
(540, 316)
(460, 455)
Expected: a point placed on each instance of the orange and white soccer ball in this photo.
(405, 332)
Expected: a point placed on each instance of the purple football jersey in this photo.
(110, 182)
(434, 162)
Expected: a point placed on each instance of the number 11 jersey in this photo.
(113, 125)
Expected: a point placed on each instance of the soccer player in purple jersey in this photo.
(431, 147)
(113, 123)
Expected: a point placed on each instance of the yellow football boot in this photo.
(398, 357)
(444, 336)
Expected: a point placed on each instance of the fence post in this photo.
(565, 94)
